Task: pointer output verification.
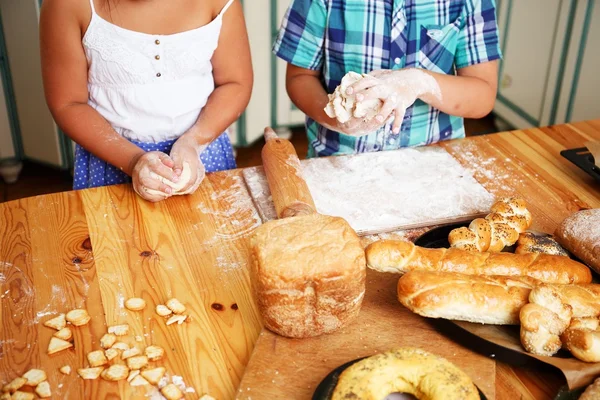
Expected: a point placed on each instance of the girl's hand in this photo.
(398, 89)
(149, 172)
(187, 150)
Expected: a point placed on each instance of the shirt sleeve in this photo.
(478, 40)
(300, 39)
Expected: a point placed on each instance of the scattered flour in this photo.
(379, 192)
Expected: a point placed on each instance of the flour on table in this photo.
(344, 106)
(384, 191)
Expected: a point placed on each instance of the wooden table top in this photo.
(95, 248)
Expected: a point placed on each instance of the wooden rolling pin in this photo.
(290, 192)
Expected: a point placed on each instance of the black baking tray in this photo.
(583, 159)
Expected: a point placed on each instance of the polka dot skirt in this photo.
(90, 171)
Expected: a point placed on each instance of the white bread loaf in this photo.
(308, 274)
(474, 298)
(580, 234)
(401, 257)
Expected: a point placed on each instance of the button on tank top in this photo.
(150, 88)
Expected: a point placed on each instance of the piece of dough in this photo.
(344, 106)
(177, 187)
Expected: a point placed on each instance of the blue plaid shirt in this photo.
(338, 36)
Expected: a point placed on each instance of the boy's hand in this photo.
(398, 89)
(149, 171)
(187, 150)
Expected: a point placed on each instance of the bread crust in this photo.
(580, 234)
(405, 370)
(400, 257)
(308, 274)
(450, 295)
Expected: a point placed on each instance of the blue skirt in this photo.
(90, 171)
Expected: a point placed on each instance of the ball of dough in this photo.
(184, 180)
(343, 106)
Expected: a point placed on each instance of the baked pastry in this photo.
(400, 257)
(550, 312)
(474, 298)
(592, 392)
(308, 274)
(499, 229)
(582, 339)
(580, 234)
(405, 370)
(529, 242)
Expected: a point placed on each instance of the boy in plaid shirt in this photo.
(431, 63)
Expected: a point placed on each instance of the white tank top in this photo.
(151, 88)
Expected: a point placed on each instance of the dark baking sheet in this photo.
(437, 238)
(583, 159)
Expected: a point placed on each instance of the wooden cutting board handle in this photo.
(290, 192)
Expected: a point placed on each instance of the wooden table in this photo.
(95, 248)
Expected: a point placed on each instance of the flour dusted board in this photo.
(385, 191)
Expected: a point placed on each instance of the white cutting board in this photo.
(385, 191)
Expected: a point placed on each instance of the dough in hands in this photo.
(344, 106)
(184, 180)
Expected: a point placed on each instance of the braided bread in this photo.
(582, 339)
(498, 229)
(542, 325)
(554, 308)
(592, 392)
(400, 257)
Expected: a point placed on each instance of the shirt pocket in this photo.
(437, 47)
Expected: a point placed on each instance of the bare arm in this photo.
(470, 94)
(232, 72)
(64, 71)
(307, 93)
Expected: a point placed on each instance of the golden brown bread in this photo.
(406, 370)
(531, 243)
(582, 339)
(550, 312)
(500, 228)
(474, 298)
(592, 392)
(400, 257)
(308, 274)
(580, 234)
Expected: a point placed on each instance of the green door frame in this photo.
(9, 97)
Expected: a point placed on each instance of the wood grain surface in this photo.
(97, 247)
(383, 324)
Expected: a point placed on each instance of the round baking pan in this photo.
(325, 389)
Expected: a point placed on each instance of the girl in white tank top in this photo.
(155, 104)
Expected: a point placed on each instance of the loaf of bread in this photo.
(500, 228)
(550, 311)
(405, 370)
(592, 392)
(308, 274)
(580, 234)
(531, 243)
(401, 257)
(473, 298)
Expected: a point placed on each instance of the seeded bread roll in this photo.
(580, 234)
